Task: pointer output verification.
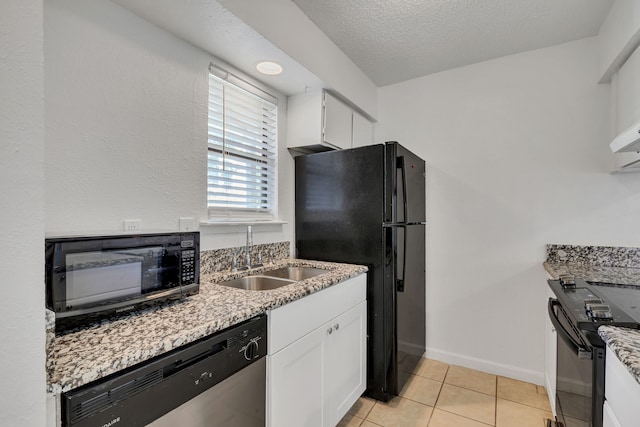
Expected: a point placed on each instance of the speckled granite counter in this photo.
(82, 356)
(595, 263)
(609, 264)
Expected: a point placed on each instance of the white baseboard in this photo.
(486, 366)
(551, 393)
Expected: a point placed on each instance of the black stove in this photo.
(592, 304)
(579, 309)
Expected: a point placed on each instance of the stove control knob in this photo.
(601, 312)
(588, 303)
(567, 280)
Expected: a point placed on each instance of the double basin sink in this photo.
(274, 279)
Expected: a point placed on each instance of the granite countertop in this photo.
(79, 357)
(603, 264)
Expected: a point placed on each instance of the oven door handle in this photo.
(576, 347)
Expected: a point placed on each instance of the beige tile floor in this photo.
(441, 395)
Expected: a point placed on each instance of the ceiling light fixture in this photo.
(269, 68)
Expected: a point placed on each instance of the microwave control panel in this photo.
(188, 266)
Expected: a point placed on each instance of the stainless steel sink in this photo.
(296, 273)
(257, 283)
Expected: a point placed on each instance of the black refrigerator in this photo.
(367, 206)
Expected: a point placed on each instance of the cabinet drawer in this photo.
(294, 320)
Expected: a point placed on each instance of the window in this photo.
(242, 149)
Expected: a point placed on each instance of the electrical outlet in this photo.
(187, 224)
(131, 225)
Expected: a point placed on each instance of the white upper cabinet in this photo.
(362, 131)
(318, 121)
(628, 93)
(336, 123)
(625, 86)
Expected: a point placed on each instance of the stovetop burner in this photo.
(625, 297)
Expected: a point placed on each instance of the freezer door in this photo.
(339, 205)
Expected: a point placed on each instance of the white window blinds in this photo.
(242, 147)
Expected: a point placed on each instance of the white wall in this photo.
(22, 358)
(126, 126)
(517, 157)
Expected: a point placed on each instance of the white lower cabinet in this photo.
(317, 363)
(608, 417)
(550, 349)
(622, 394)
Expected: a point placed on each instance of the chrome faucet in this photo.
(247, 249)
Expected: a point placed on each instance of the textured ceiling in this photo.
(396, 40)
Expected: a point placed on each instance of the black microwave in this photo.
(93, 277)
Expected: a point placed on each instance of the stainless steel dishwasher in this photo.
(216, 381)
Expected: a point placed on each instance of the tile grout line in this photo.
(495, 404)
(465, 417)
(438, 396)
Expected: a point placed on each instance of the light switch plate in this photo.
(131, 225)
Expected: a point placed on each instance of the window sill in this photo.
(230, 227)
(236, 223)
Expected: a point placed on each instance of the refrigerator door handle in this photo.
(401, 165)
(403, 174)
(400, 280)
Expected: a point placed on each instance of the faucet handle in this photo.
(234, 262)
(260, 257)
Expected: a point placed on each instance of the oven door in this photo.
(579, 366)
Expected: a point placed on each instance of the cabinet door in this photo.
(622, 391)
(628, 92)
(550, 347)
(362, 131)
(336, 124)
(296, 383)
(625, 87)
(346, 370)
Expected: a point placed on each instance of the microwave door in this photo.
(157, 266)
(97, 277)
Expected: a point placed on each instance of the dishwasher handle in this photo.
(578, 348)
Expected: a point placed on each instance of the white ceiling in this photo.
(211, 27)
(396, 40)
